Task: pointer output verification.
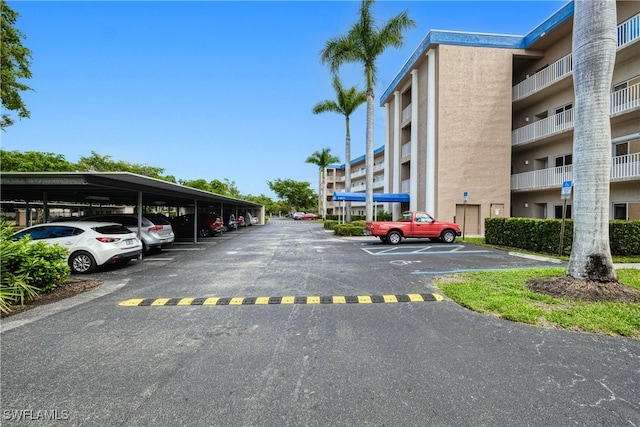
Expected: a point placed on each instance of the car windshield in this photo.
(112, 229)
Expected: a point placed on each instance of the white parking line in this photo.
(419, 250)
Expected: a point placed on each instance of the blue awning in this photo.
(377, 197)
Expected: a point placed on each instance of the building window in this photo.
(564, 160)
(620, 211)
(558, 212)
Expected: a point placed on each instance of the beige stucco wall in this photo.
(474, 128)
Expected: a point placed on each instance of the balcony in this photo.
(625, 99)
(406, 114)
(622, 101)
(405, 186)
(628, 32)
(623, 168)
(543, 78)
(406, 150)
(543, 128)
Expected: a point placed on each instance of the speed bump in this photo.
(284, 300)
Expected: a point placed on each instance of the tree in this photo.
(594, 52)
(15, 63)
(34, 161)
(363, 43)
(322, 159)
(297, 194)
(226, 188)
(100, 163)
(346, 104)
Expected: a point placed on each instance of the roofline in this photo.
(461, 38)
(357, 159)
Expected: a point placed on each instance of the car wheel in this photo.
(394, 237)
(448, 236)
(82, 262)
(384, 239)
(204, 232)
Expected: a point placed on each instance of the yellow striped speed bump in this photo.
(356, 299)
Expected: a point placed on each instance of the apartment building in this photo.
(481, 125)
(335, 182)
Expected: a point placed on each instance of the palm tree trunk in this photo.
(594, 51)
(347, 173)
(323, 189)
(369, 158)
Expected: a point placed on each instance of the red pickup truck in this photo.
(413, 224)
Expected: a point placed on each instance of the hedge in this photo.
(543, 235)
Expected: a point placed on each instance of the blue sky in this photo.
(215, 90)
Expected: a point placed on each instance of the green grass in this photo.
(480, 242)
(504, 294)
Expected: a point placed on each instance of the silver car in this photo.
(156, 231)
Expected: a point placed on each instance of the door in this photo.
(469, 221)
(423, 226)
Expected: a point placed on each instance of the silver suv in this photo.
(156, 232)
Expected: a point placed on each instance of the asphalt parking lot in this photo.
(271, 325)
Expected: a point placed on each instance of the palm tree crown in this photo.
(322, 159)
(363, 43)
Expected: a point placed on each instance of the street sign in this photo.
(565, 193)
(465, 195)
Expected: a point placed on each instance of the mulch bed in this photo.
(69, 289)
(584, 290)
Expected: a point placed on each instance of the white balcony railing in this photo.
(554, 124)
(621, 100)
(629, 31)
(406, 149)
(543, 78)
(623, 168)
(406, 113)
(625, 99)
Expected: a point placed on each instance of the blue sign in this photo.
(566, 184)
(465, 195)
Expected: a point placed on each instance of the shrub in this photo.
(543, 235)
(349, 230)
(28, 269)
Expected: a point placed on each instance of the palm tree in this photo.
(322, 159)
(594, 53)
(346, 104)
(363, 43)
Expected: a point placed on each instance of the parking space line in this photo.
(285, 300)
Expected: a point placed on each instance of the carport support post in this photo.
(195, 221)
(140, 217)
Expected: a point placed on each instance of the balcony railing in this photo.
(406, 149)
(405, 186)
(621, 100)
(629, 30)
(543, 78)
(556, 123)
(406, 113)
(623, 168)
(625, 99)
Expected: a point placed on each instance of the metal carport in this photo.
(114, 188)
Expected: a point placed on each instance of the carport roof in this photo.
(107, 188)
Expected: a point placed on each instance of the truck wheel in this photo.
(448, 236)
(394, 237)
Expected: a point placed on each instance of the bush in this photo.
(28, 269)
(543, 235)
(349, 230)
